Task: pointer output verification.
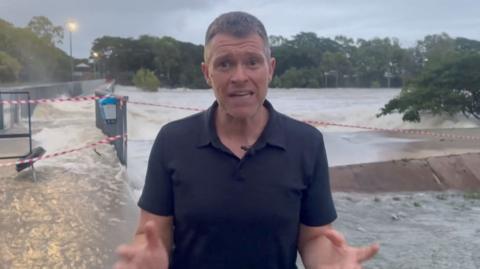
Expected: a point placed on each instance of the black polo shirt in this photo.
(232, 213)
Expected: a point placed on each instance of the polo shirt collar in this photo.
(273, 134)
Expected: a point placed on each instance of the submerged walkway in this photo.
(66, 219)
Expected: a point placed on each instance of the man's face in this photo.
(239, 72)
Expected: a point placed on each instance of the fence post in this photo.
(113, 128)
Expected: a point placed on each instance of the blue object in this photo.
(108, 109)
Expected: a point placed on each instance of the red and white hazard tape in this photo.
(405, 131)
(326, 123)
(45, 101)
(57, 100)
(312, 122)
(106, 140)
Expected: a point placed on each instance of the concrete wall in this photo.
(456, 172)
(55, 90)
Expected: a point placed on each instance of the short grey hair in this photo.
(238, 24)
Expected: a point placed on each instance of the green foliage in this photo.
(39, 60)
(276, 41)
(42, 27)
(298, 78)
(9, 68)
(341, 62)
(146, 80)
(305, 60)
(375, 84)
(176, 64)
(449, 86)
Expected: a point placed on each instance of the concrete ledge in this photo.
(457, 172)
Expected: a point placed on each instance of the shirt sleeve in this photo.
(157, 194)
(317, 203)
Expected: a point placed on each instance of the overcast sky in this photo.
(408, 20)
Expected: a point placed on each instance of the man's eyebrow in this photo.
(223, 55)
(252, 53)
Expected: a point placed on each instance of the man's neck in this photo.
(240, 133)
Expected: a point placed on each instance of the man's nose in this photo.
(239, 74)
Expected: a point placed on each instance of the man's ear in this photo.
(206, 74)
(272, 63)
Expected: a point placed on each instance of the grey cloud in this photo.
(187, 20)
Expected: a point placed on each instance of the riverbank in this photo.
(441, 173)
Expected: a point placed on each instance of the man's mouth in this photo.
(241, 94)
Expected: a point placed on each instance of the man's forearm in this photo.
(316, 251)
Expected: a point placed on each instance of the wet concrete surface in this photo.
(453, 172)
(65, 219)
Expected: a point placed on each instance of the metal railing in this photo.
(14, 128)
(53, 90)
(14, 113)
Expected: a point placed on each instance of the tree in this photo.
(450, 88)
(39, 60)
(119, 57)
(9, 68)
(336, 65)
(43, 28)
(374, 58)
(305, 60)
(146, 80)
(465, 45)
(167, 59)
(435, 49)
(276, 40)
(175, 63)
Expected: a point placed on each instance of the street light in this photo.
(72, 27)
(388, 74)
(95, 56)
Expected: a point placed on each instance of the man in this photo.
(239, 185)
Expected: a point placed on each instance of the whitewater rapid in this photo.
(341, 106)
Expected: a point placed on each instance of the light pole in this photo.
(71, 26)
(95, 56)
(388, 74)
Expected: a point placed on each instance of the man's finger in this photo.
(335, 237)
(126, 252)
(366, 253)
(152, 235)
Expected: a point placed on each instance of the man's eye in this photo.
(252, 62)
(224, 64)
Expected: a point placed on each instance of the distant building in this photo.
(82, 71)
